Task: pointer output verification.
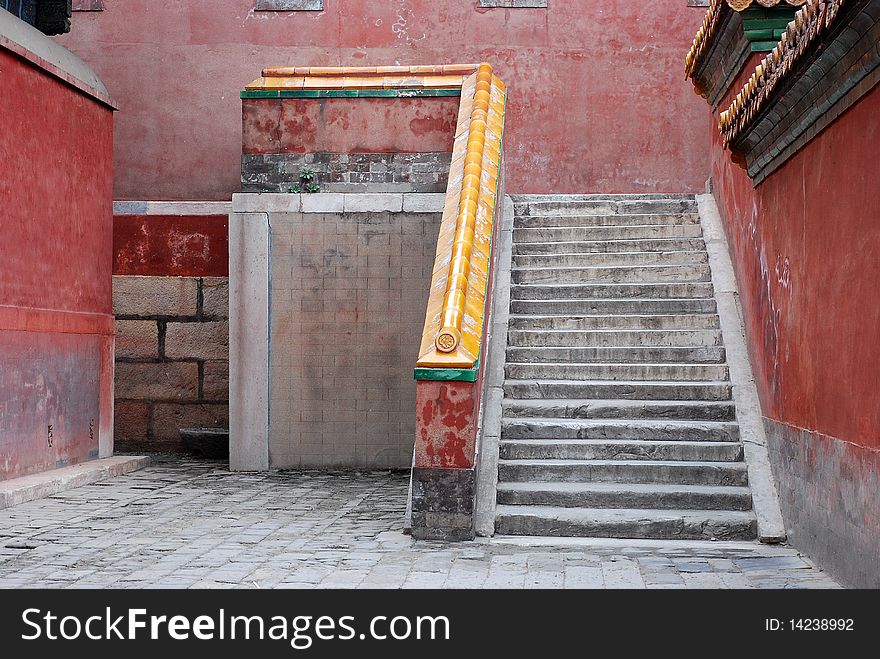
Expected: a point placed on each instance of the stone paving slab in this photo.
(186, 524)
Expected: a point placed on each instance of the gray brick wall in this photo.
(343, 172)
(348, 301)
(172, 358)
(829, 491)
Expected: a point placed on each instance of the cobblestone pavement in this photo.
(181, 524)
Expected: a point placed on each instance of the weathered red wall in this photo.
(806, 248)
(56, 327)
(171, 245)
(598, 99)
(346, 125)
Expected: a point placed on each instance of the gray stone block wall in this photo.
(829, 491)
(348, 296)
(172, 358)
(343, 172)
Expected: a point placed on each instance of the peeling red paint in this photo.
(346, 125)
(56, 323)
(584, 79)
(806, 249)
(171, 245)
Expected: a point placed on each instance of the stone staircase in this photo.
(617, 416)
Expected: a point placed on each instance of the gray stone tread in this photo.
(627, 523)
(625, 408)
(647, 488)
(620, 449)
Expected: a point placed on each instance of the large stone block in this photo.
(215, 381)
(209, 340)
(169, 418)
(215, 297)
(157, 381)
(154, 296)
(131, 422)
(137, 339)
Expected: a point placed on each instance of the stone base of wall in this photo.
(347, 172)
(172, 359)
(829, 491)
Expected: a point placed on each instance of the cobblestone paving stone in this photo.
(184, 524)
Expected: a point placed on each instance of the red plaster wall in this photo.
(171, 245)
(806, 248)
(599, 102)
(346, 125)
(56, 327)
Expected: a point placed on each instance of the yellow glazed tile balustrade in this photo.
(362, 77)
(453, 331)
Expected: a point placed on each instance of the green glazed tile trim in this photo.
(763, 28)
(447, 374)
(349, 93)
(763, 46)
(260, 93)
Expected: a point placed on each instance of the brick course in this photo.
(172, 365)
(343, 172)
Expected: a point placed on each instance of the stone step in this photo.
(615, 246)
(624, 471)
(618, 355)
(590, 322)
(613, 338)
(619, 449)
(626, 496)
(604, 390)
(584, 260)
(599, 371)
(613, 307)
(630, 429)
(630, 274)
(625, 523)
(606, 206)
(613, 232)
(658, 290)
(581, 408)
(631, 219)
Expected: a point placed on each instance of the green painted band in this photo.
(349, 93)
(447, 374)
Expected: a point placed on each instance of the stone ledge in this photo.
(372, 203)
(37, 486)
(337, 202)
(172, 207)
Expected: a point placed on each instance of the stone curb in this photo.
(487, 471)
(771, 527)
(37, 486)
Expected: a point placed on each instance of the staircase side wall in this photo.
(805, 245)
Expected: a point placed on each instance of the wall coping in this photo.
(172, 207)
(32, 45)
(338, 202)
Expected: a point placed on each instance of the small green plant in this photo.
(306, 182)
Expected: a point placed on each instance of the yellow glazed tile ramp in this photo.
(453, 330)
(288, 78)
